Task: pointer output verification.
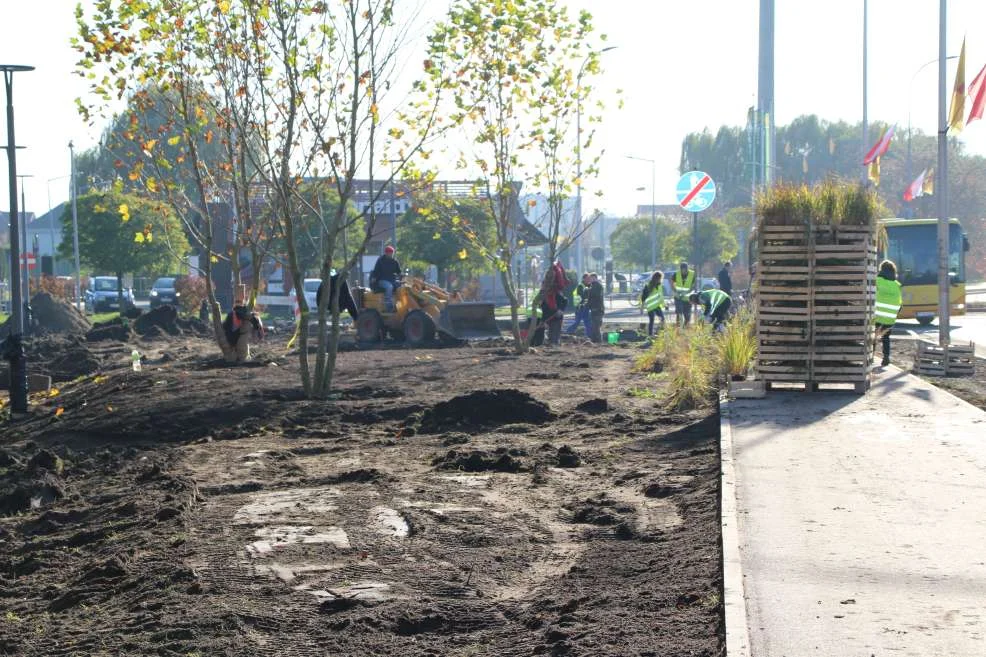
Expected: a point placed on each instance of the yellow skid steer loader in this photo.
(420, 312)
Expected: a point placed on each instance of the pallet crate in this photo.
(931, 359)
(815, 296)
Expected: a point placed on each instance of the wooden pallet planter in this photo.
(816, 290)
(954, 360)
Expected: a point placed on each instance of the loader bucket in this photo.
(469, 321)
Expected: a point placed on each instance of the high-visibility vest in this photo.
(655, 299)
(888, 301)
(681, 290)
(714, 298)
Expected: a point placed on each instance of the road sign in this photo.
(29, 259)
(696, 191)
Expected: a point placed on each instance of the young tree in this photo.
(511, 73)
(121, 233)
(157, 53)
(299, 93)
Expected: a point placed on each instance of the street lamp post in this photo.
(25, 269)
(910, 97)
(578, 158)
(13, 350)
(75, 228)
(653, 209)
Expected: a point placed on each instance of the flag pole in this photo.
(942, 187)
(866, 137)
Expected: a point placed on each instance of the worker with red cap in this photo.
(386, 276)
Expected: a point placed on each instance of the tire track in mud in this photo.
(364, 544)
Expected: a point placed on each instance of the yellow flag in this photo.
(874, 173)
(928, 186)
(956, 116)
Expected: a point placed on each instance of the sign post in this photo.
(695, 191)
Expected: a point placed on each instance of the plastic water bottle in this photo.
(135, 360)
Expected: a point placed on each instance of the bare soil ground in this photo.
(458, 501)
(972, 389)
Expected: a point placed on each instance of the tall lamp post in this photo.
(910, 97)
(13, 350)
(25, 269)
(578, 158)
(653, 209)
(75, 227)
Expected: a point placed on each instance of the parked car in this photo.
(311, 287)
(163, 292)
(101, 295)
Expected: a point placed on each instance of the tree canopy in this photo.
(436, 232)
(123, 233)
(716, 243)
(631, 241)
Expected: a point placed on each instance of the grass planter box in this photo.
(815, 288)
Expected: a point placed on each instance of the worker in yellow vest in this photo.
(652, 300)
(888, 303)
(683, 281)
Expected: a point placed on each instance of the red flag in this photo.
(915, 189)
(977, 91)
(880, 148)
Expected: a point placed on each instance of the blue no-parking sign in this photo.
(695, 191)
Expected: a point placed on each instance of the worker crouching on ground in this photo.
(683, 282)
(888, 302)
(715, 303)
(652, 300)
(242, 327)
(553, 302)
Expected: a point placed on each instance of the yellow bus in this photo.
(912, 244)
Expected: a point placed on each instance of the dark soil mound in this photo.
(593, 406)
(484, 409)
(500, 460)
(114, 329)
(164, 321)
(62, 357)
(163, 317)
(53, 315)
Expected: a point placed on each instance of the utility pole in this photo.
(866, 127)
(75, 229)
(13, 346)
(25, 270)
(765, 91)
(941, 187)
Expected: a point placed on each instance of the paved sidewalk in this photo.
(861, 522)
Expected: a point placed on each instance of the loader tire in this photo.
(369, 326)
(419, 329)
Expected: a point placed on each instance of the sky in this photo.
(681, 66)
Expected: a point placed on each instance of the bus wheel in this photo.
(925, 320)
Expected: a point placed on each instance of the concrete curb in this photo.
(733, 595)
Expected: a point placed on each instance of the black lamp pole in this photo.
(13, 346)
